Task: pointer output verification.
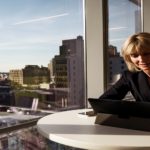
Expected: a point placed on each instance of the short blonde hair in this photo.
(137, 43)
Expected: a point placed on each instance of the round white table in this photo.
(71, 129)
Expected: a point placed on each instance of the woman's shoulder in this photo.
(129, 74)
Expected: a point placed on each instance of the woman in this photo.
(136, 53)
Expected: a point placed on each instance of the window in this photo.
(124, 19)
(40, 41)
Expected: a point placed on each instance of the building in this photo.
(116, 65)
(16, 76)
(68, 69)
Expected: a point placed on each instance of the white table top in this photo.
(70, 128)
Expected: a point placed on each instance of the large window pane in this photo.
(42, 54)
(124, 19)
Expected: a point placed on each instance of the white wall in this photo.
(146, 15)
(94, 41)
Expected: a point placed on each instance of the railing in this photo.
(26, 124)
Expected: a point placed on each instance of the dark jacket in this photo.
(135, 82)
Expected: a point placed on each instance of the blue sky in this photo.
(122, 22)
(31, 31)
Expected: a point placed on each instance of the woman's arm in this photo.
(118, 91)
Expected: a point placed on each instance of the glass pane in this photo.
(124, 19)
(42, 54)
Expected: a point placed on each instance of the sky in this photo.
(31, 31)
(122, 21)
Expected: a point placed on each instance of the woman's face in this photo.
(141, 61)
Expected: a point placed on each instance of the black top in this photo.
(135, 82)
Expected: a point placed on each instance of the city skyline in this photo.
(34, 30)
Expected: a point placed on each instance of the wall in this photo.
(146, 12)
(94, 41)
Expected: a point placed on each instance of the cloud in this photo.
(40, 19)
(117, 28)
(116, 40)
